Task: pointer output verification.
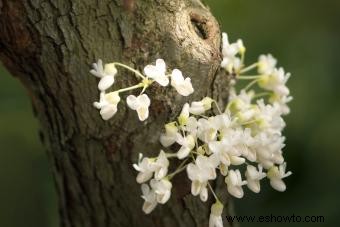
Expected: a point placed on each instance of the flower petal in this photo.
(143, 113)
(132, 102)
(143, 100)
(160, 64)
(150, 71)
(143, 176)
(105, 82)
(108, 111)
(176, 77)
(196, 188)
(204, 194)
(162, 80)
(183, 152)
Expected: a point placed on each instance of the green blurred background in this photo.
(303, 34)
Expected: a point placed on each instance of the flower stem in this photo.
(250, 85)
(182, 163)
(146, 83)
(131, 88)
(249, 68)
(250, 77)
(203, 116)
(179, 169)
(212, 191)
(131, 69)
(261, 94)
(171, 155)
(218, 108)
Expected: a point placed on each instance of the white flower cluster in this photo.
(269, 77)
(108, 101)
(160, 186)
(248, 132)
(274, 80)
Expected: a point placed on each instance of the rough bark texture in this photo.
(50, 44)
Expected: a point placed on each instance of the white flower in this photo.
(233, 143)
(253, 178)
(140, 104)
(241, 143)
(239, 102)
(107, 104)
(275, 82)
(222, 150)
(244, 96)
(240, 46)
(170, 136)
(188, 143)
(230, 62)
(200, 107)
(150, 199)
(227, 48)
(215, 219)
(184, 116)
(269, 118)
(162, 189)
(266, 64)
(234, 183)
(221, 122)
(223, 169)
(207, 129)
(182, 86)
(145, 167)
(191, 126)
(268, 148)
(276, 175)
(199, 174)
(157, 72)
(281, 101)
(106, 74)
(247, 115)
(161, 166)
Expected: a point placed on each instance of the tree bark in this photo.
(49, 45)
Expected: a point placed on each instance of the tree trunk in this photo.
(49, 45)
